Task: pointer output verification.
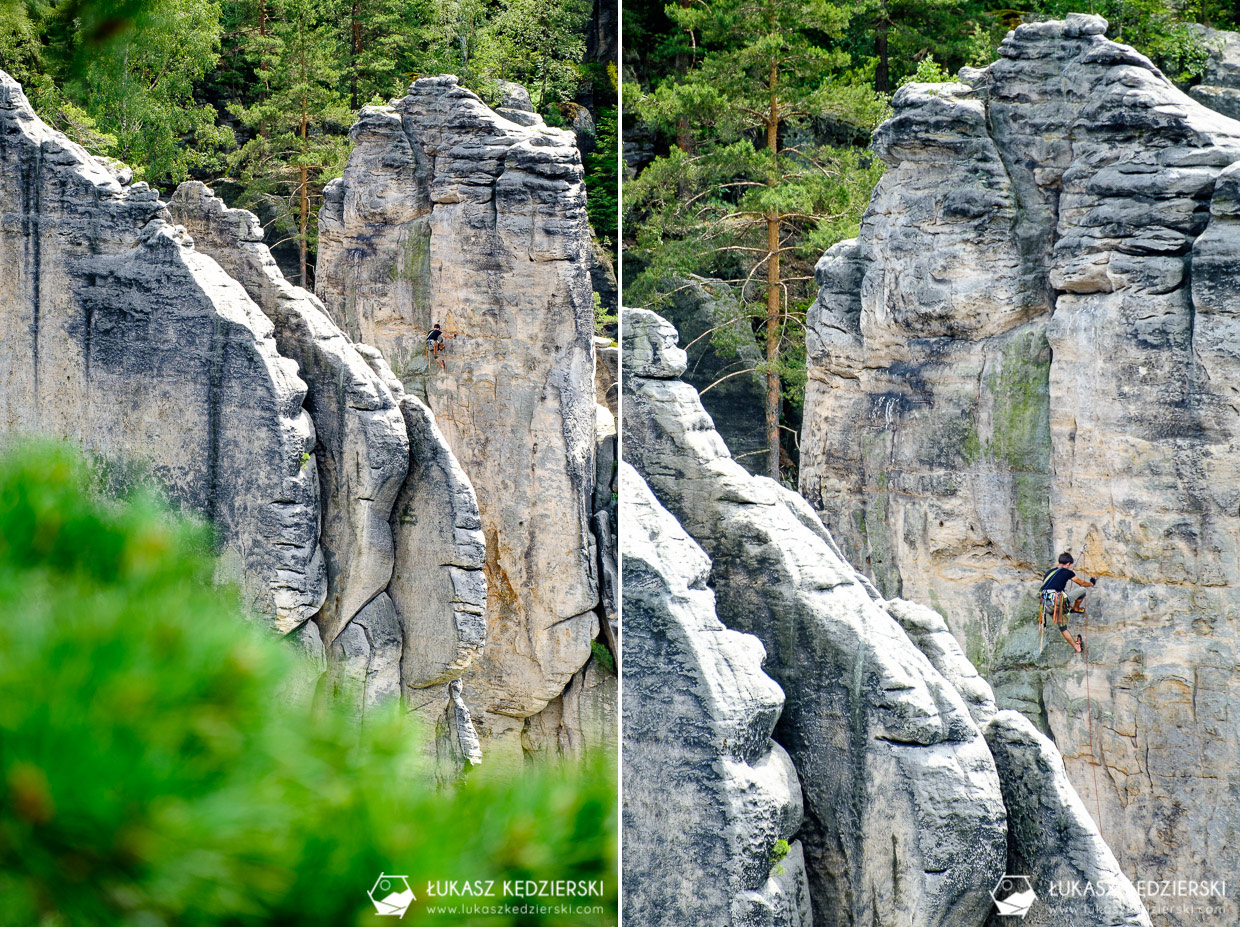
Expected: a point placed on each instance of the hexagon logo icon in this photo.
(1013, 896)
(391, 895)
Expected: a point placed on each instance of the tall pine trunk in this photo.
(882, 71)
(357, 51)
(303, 216)
(772, 288)
(772, 348)
(262, 30)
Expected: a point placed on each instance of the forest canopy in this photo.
(256, 97)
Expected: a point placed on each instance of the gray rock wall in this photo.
(186, 358)
(707, 792)
(1053, 840)
(117, 333)
(450, 213)
(1031, 347)
(910, 816)
(400, 526)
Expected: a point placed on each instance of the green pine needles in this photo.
(159, 766)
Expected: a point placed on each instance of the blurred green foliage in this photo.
(158, 766)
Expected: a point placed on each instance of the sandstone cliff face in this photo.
(193, 362)
(907, 808)
(698, 713)
(449, 213)
(1032, 346)
(114, 331)
(363, 452)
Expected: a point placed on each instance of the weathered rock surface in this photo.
(514, 104)
(116, 333)
(928, 631)
(906, 806)
(904, 819)
(1033, 345)
(438, 560)
(1053, 840)
(707, 792)
(449, 213)
(438, 590)
(581, 720)
(362, 450)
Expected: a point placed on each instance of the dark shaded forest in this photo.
(256, 97)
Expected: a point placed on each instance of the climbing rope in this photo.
(1089, 702)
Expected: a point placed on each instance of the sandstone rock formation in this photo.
(363, 453)
(899, 786)
(907, 808)
(1033, 346)
(450, 213)
(115, 332)
(401, 532)
(698, 712)
(191, 362)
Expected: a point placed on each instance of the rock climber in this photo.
(435, 343)
(1056, 601)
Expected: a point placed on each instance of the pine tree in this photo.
(390, 42)
(539, 43)
(740, 196)
(120, 76)
(300, 120)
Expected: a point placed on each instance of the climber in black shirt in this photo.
(1055, 597)
(435, 343)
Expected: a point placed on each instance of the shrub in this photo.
(157, 767)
